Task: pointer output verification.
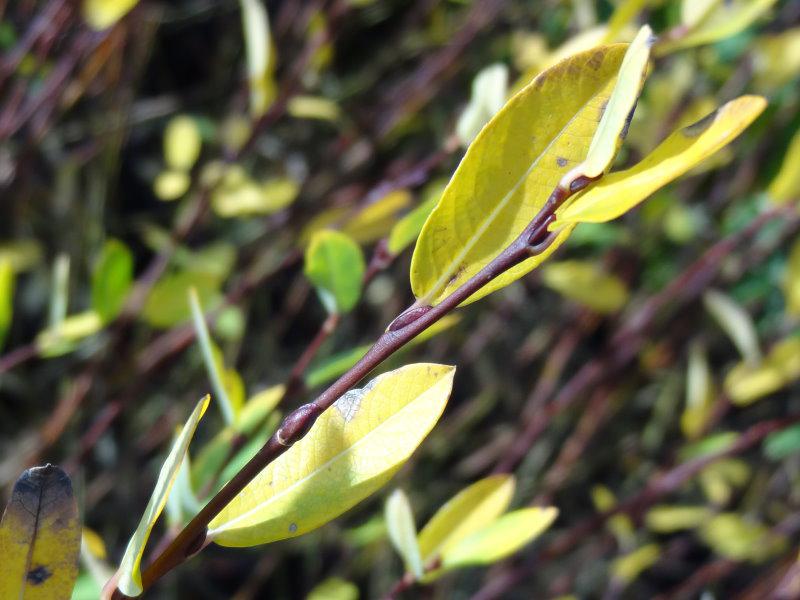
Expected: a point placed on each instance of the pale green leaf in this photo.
(335, 266)
(313, 107)
(472, 509)
(791, 277)
(723, 20)
(624, 13)
(376, 220)
(699, 393)
(130, 580)
(111, 279)
(669, 519)
(501, 538)
(627, 568)
(166, 304)
(748, 382)
(619, 192)
(585, 282)
(260, 62)
(508, 173)
(403, 531)
(489, 89)
(350, 452)
(694, 11)
(100, 14)
(171, 185)
(736, 322)
(407, 229)
(6, 297)
(213, 365)
(786, 185)
(733, 536)
(182, 143)
(618, 112)
(334, 588)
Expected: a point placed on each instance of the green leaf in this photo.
(166, 303)
(669, 519)
(732, 536)
(212, 359)
(403, 531)
(260, 59)
(407, 229)
(786, 185)
(627, 568)
(585, 282)
(62, 338)
(111, 279)
(508, 173)
(619, 192)
(40, 537)
(330, 368)
(351, 451)
(618, 112)
(375, 220)
(472, 509)
(334, 588)
(182, 143)
(335, 266)
(736, 322)
(501, 538)
(710, 444)
(700, 393)
(489, 90)
(791, 277)
(710, 24)
(130, 579)
(780, 444)
(6, 297)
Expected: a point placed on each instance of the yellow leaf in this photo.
(334, 588)
(377, 219)
(725, 19)
(699, 393)
(585, 282)
(100, 14)
(786, 185)
(619, 192)
(618, 111)
(668, 519)
(40, 537)
(791, 277)
(171, 185)
(627, 568)
(736, 322)
(407, 229)
(776, 59)
(313, 107)
(130, 580)
(623, 14)
(403, 531)
(508, 173)
(748, 382)
(6, 296)
(94, 543)
(182, 143)
(351, 451)
(473, 508)
(260, 59)
(732, 536)
(620, 524)
(501, 538)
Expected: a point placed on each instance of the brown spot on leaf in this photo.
(561, 161)
(38, 575)
(596, 59)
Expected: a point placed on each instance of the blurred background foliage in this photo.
(643, 381)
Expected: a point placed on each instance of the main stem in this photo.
(533, 240)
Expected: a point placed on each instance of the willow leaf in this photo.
(350, 452)
(509, 171)
(40, 537)
(130, 580)
(619, 192)
(473, 508)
